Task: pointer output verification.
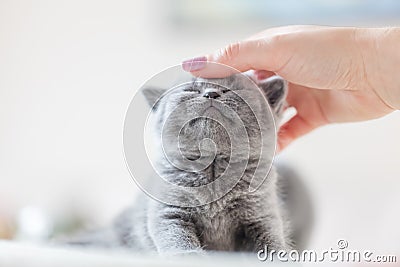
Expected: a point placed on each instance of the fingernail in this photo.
(193, 64)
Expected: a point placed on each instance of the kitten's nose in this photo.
(211, 94)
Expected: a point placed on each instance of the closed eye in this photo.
(191, 89)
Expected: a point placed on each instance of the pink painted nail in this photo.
(193, 64)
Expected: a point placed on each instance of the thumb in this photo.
(236, 57)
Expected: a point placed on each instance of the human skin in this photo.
(335, 74)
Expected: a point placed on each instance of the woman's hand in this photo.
(334, 74)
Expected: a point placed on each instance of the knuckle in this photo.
(275, 40)
(278, 56)
(229, 52)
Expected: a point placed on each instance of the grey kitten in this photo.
(239, 220)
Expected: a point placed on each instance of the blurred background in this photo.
(68, 70)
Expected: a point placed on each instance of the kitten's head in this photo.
(188, 116)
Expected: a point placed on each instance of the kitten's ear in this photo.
(275, 89)
(152, 95)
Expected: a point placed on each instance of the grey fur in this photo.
(240, 220)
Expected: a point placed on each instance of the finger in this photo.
(263, 74)
(237, 57)
(259, 52)
(292, 130)
(310, 114)
(299, 95)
